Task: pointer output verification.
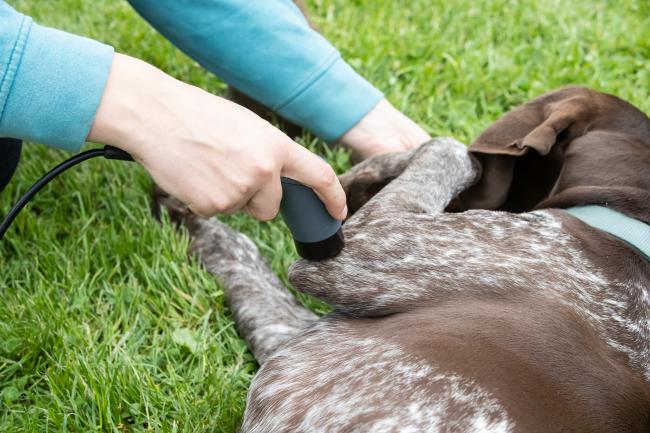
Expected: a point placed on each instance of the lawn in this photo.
(105, 325)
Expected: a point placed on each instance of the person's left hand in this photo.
(384, 129)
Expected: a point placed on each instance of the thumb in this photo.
(302, 165)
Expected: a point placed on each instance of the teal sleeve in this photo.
(51, 82)
(266, 49)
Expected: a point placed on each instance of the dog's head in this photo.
(574, 146)
(571, 147)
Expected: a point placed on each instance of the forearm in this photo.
(266, 49)
(205, 150)
(51, 82)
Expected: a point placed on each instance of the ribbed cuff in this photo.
(333, 102)
(56, 89)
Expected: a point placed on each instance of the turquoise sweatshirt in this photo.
(51, 82)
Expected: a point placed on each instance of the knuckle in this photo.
(221, 204)
(264, 169)
(243, 188)
(326, 176)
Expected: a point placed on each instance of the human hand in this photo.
(384, 129)
(210, 153)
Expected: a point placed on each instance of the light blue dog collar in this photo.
(629, 230)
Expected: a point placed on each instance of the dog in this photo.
(466, 299)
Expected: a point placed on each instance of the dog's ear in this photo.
(539, 124)
(570, 147)
(520, 155)
(605, 168)
(367, 178)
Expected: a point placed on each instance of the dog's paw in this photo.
(179, 213)
(367, 178)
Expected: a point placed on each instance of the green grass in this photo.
(104, 323)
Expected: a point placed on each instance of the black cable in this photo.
(107, 152)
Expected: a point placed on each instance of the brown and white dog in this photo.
(517, 317)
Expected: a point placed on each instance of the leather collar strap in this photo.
(629, 230)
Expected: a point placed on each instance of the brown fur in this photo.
(479, 320)
(570, 147)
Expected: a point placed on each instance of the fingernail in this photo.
(344, 213)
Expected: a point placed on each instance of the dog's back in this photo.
(517, 307)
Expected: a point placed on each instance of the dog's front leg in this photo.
(265, 312)
(376, 272)
(437, 172)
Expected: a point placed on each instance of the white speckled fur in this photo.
(402, 254)
(384, 390)
(265, 312)
(447, 249)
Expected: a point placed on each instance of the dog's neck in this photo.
(631, 231)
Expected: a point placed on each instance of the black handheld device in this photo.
(316, 234)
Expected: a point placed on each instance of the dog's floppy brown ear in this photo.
(537, 125)
(571, 147)
(562, 115)
(519, 155)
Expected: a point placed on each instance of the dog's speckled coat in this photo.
(479, 321)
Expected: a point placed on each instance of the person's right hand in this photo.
(384, 129)
(210, 153)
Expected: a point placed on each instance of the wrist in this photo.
(384, 129)
(132, 90)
